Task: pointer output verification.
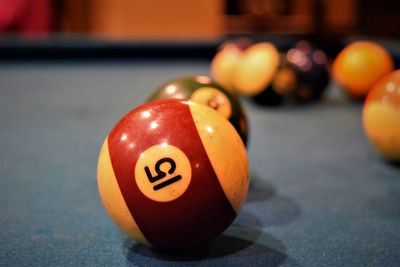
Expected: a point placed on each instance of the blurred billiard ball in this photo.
(173, 174)
(381, 116)
(255, 69)
(224, 63)
(359, 65)
(203, 90)
(310, 69)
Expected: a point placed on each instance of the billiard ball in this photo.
(359, 65)
(224, 63)
(256, 68)
(203, 90)
(310, 70)
(381, 116)
(173, 174)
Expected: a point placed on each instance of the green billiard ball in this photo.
(203, 90)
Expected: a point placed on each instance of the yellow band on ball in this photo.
(111, 196)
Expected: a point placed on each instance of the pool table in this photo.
(319, 195)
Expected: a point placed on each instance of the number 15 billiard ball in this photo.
(173, 174)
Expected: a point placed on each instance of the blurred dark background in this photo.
(185, 29)
(199, 20)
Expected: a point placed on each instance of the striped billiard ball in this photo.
(173, 174)
(381, 116)
(203, 90)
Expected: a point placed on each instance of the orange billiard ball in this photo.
(381, 116)
(359, 65)
(173, 174)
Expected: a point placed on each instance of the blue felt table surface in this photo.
(319, 195)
